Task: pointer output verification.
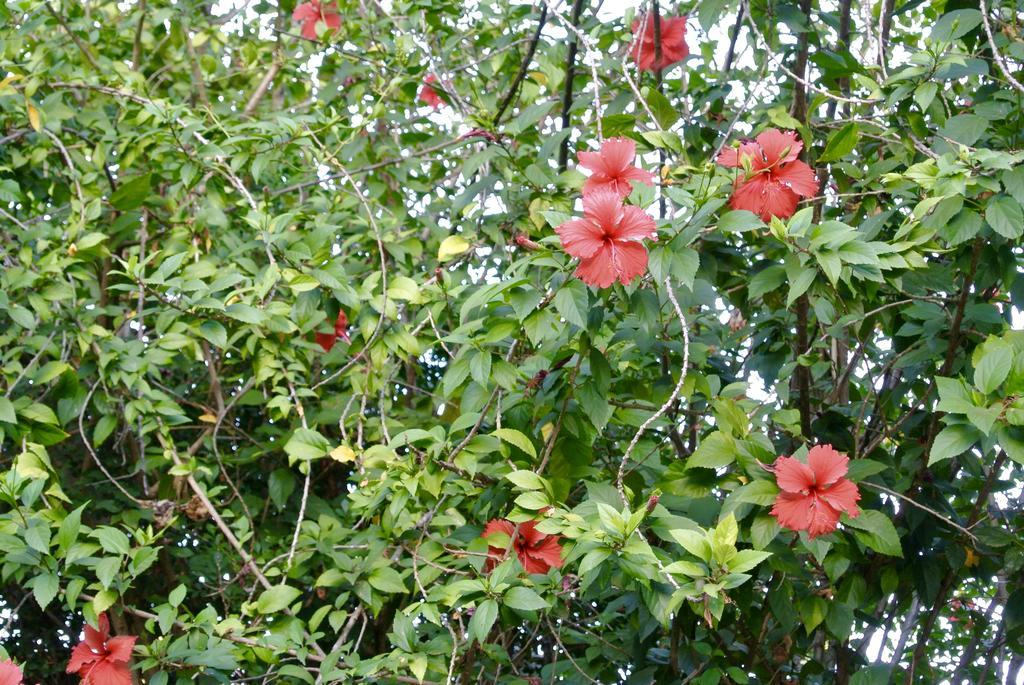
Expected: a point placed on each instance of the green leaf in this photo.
(44, 588)
(1004, 215)
(7, 414)
(951, 441)
(177, 595)
(994, 366)
(693, 542)
(452, 246)
(881, 535)
(67, 534)
(812, 612)
(716, 450)
(306, 444)
(245, 313)
(747, 559)
(131, 194)
(104, 427)
(215, 333)
(524, 599)
(664, 112)
(516, 439)
(483, 618)
(387, 579)
(840, 143)
(572, 303)
(527, 480)
(726, 532)
(103, 601)
(39, 413)
(112, 540)
(276, 598)
(739, 220)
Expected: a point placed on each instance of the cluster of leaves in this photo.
(187, 199)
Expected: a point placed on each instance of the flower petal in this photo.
(637, 174)
(630, 261)
(798, 176)
(827, 464)
(10, 674)
(599, 270)
(105, 672)
(120, 648)
(581, 238)
(842, 496)
(793, 475)
(793, 511)
(634, 225)
(765, 197)
(498, 526)
(733, 156)
(779, 146)
(618, 154)
(604, 207)
(547, 551)
(95, 637)
(307, 11)
(529, 533)
(326, 340)
(600, 182)
(823, 518)
(81, 656)
(591, 161)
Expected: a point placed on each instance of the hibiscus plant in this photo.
(431, 341)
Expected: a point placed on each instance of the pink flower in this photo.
(673, 42)
(612, 168)
(310, 13)
(816, 493)
(428, 95)
(776, 179)
(10, 674)
(537, 551)
(100, 659)
(608, 239)
(327, 340)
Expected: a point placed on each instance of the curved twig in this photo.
(668, 403)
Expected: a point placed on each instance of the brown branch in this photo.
(78, 41)
(733, 37)
(263, 87)
(924, 636)
(524, 66)
(567, 91)
(137, 44)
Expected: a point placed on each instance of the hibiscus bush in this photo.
(429, 341)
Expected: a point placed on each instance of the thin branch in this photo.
(567, 91)
(92, 452)
(524, 66)
(914, 503)
(668, 403)
(995, 53)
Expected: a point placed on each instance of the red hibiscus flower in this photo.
(814, 494)
(100, 659)
(10, 674)
(428, 95)
(775, 179)
(673, 42)
(607, 240)
(327, 340)
(309, 14)
(612, 168)
(537, 552)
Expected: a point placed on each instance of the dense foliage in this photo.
(196, 444)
